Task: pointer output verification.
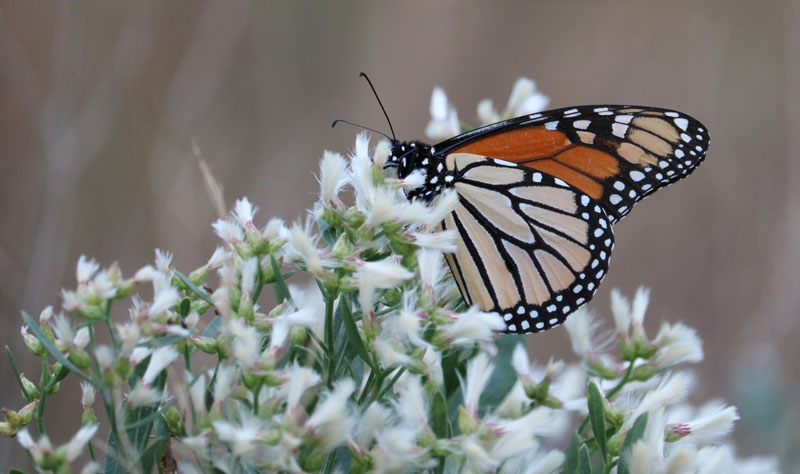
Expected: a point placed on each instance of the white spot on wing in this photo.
(682, 123)
(551, 125)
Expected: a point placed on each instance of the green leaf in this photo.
(112, 465)
(353, 336)
(584, 463)
(16, 374)
(156, 448)
(439, 422)
(635, 434)
(327, 233)
(165, 340)
(185, 307)
(597, 416)
(338, 461)
(449, 363)
(16, 471)
(51, 348)
(571, 456)
(504, 376)
(281, 289)
(186, 281)
(214, 327)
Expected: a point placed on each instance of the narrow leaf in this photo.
(439, 422)
(281, 289)
(51, 348)
(16, 374)
(353, 336)
(504, 376)
(635, 434)
(214, 327)
(571, 456)
(597, 416)
(584, 463)
(186, 281)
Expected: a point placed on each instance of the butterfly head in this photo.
(413, 156)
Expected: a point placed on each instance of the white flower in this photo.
(304, 245)
(45, 315)
(475, 451)
(75, 445)
(331, 420)
(104, 356)
(90, 468)
(306, 317)
(626, 314)
(246, 342)
(298, 380)
(432, 366)
(375, 417)
(714, 421)
(197, 391)
(144, 395)
(333, 177)
(524, 100)
(388, 352)
(164, 261)
(228, 231)
(146, 273)
(244, 211)
(471, 326)
(677, 343)
(224, 383)
(444, 241)
(534, 463)
(249, 271)
(479, 370)
(671, 390)
(397, 450)
(444, 118)
(386, 273)
(160, 359)
(411, 403)
(242, 437)
(86, 268)
(583, 334)
(87, 394)
(275, 230)
(165, 298)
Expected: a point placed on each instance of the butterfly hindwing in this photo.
(617, 155)
(532, 247)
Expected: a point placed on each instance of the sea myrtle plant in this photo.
(341, 344)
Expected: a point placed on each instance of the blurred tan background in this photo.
(100, 101)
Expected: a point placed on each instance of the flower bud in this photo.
(13, 418)
(298, 336)
(35, 346)
(125, 289)
(26, 413)
(80, 358)
(466, 422)
(644, 372)
(7, 430)
(173, 419)
(342, 248)
(206, 344)
(29, 389)
(54, 389)
(198, 276)
(59, 371)
(88, 417)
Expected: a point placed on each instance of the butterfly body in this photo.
(538, 195)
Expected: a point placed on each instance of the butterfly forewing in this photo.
(532, 247)
(617, 155)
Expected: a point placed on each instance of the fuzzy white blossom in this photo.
(444, 118)
(333, 177)
(331, 420)
(524, 100)
(471, 326)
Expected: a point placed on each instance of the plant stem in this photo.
(625, 379)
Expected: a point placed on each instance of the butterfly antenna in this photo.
(361, 126)
(380, 103)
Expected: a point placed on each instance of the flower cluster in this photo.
(376, 366)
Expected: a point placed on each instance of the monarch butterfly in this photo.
(538, 196)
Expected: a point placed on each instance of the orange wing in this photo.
(617, 155)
